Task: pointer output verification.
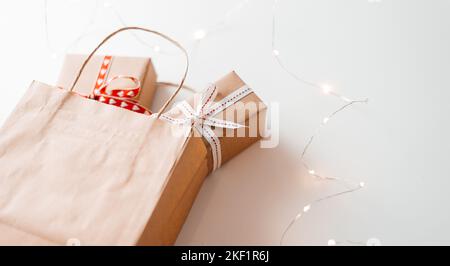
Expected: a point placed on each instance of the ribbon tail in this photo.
(222, 123)
(214, 143)
(229, 100)
(175, 121)
(187, 110)
(207, 98)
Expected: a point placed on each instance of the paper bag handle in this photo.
(163, 108)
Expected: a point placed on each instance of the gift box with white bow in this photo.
(226, 118)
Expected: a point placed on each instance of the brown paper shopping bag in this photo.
(75, 170)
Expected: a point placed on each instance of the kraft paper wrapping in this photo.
(139, 67)
(195, 165)
(238, 139)
(74, 168)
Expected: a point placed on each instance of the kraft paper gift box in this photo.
(139, 67)
(196, 163)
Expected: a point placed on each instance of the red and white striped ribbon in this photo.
(124, 97)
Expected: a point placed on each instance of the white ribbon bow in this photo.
(202, 117)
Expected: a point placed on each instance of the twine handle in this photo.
(164, 107)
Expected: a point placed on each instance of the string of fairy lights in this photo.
(198, 35)
(54, 53)
(326, 89)
(202, 33)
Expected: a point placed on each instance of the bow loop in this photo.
(207, 99)
(123, 97)
(202, 117)
(122, 93)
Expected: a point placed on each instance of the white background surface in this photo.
(395, 52)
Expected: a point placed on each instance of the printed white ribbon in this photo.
(202, 117)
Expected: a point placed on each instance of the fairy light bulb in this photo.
(200, 34)
(312, 172)
(327, 89)
(362, 184)
(331, 242)
(306, 208)
(157, 49)
(275, 52)
(325, 120)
